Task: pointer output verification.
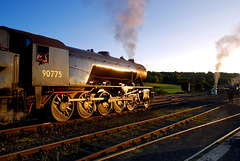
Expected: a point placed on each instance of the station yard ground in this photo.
(229, 150)
(184, 146)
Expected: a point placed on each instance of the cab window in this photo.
(42, 54)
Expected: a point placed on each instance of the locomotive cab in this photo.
(15, 71)
(28, 63)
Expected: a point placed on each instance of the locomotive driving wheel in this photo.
(131, 104)
(118, 105)
(85, 108)
(61, 108)
(104, 106)
(4, 121)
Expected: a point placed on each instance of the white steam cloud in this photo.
(127, 20)
(225, 46)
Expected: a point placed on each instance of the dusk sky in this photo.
(173, 36)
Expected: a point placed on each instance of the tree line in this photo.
(199, 81)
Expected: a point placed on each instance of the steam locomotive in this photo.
(38, 73)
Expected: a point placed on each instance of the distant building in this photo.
(214, 91)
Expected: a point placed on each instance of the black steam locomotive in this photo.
(38, 73)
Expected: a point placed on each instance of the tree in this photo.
(198, 86)
(166, 79)
(185, 86)
(156, 80)
(197, 80)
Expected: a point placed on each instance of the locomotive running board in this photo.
(110, 86)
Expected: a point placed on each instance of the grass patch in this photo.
(168, 88)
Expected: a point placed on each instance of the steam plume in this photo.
(225, 46)
(128, 20)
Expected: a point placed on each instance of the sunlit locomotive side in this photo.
(38, 73)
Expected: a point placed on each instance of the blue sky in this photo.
(176, 35)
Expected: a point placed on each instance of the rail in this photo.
(88, 136)
(170, 136)
(212, 144)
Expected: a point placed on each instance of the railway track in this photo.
(143, 140)
(157, 101)
(176, 134)
(210, 146)
(163, 101)
(158, 127)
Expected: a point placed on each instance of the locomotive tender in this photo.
(38, 72)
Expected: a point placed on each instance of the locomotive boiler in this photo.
(39, 73)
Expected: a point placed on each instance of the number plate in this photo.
(52, 73)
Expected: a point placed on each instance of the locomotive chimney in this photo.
(104, 53)
(131, 60)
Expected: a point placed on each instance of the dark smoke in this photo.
(127, 19)
(225, 46)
